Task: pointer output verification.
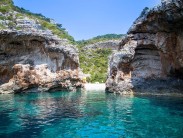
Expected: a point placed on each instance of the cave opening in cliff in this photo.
(147, 62)
(178, 73)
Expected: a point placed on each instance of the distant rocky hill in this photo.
(36, 54)
(150, 58)
(107, 44)
(100, 39)
(94, 55)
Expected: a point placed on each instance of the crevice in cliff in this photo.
(178, 73)
(6, 73)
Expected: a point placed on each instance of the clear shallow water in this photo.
(89, 114)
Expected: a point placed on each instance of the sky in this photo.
(84, 19)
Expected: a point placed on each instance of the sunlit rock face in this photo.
(36, 61)
(150, 58)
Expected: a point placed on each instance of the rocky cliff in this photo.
(32, 57)
(150, 58)
(34, 61)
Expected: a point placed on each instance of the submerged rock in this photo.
(150, 58)
(36, 61)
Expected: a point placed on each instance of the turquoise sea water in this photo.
(89, 114)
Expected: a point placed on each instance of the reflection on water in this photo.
(89, 114)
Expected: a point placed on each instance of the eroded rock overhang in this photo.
(151, 56)
(37, 61)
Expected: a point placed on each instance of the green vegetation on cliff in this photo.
(95, 61)
(5, 6)
(47, 24)
(11, 13)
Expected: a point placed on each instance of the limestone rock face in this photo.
(150, 58)
(36, 61)
(109, 44)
